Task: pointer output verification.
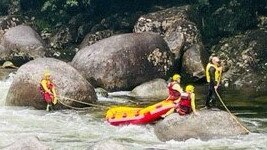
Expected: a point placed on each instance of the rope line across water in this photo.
(231, 113)
(80, 102)
(72, 107)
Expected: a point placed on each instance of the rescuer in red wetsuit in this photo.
(174, 88)
(47, 89)
(187, 102)
(175, 91)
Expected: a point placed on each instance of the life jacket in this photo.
(49, 85)
(185, 100)
(173, 94)
(217, 72)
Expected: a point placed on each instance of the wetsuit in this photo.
(213, 76)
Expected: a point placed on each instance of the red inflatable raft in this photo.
(129, 115)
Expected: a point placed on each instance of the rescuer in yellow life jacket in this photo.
(47, 89)
(213, 76)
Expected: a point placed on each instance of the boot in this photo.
(48, 107)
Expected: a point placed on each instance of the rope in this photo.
(77, 108)
(80, 102)
(231, 113)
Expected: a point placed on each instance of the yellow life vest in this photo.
(217, 73)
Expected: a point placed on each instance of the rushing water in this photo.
(69, 129)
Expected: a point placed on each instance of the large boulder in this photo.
(92, 38)
(124, 61)
(21, 44)
(69, 83)
(27, 143)
(245, 65)
(154, 90)
(208, 125)
(178, 27)
(4, 53)
(193, 63)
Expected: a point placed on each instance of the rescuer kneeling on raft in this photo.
(174, 88)
(47, 89)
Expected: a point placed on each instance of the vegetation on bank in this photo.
(218, 18)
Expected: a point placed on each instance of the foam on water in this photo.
(75, 130)
(69, 129)
(121, 97)
(4, 86)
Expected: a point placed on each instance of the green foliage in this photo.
(222, 18)
(42, 24)
(219, 18)
(60, 11)
(71, 3)
(203, 2)
(63, 5)
(4, 7)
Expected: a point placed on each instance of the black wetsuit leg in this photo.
(211, 98)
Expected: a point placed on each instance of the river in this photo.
(70, 129)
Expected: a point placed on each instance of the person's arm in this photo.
(212, 75)
(43, 83)
(220, 74)
(178, 100)
(177, 87)
(54, 91)
(172, 110)
(168, 113)
(54, 94)
(193, 103)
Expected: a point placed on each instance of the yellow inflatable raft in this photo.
(130, 115)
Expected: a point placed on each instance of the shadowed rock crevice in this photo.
(178, 27)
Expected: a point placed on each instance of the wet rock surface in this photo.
(154, 89)
(21, 44)
(124, 61)
(68, 81)
(178, 27)
(244, 60)
(208, 125)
